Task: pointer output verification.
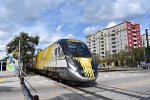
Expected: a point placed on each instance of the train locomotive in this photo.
(67, 59)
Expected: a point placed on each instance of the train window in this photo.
(78, 49)
(56, 51)
(60, 52)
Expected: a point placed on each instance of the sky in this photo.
(57, 19)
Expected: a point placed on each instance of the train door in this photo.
(56, 56)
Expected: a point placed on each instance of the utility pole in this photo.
(144, 50)
(19, 60)
(148, 48)
(146, 30)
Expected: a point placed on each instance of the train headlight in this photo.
(72, 65)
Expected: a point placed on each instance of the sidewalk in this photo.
(10, 88)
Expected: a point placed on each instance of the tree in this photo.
(128, 57)
(96, 57)
(108, 58)
(27, 46)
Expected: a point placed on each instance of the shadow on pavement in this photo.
(6, 89)
(67, 96)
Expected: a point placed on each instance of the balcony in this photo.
(134, 42)
(130, 41)
(134, 34)
(133, 30)
(134, 38)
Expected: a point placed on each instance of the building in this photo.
(3, 61)
(114, 39)
(144, 41)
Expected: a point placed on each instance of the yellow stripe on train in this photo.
(87, 66)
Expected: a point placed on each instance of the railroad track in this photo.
(103, 92)
(94, 91)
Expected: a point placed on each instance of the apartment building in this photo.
(114, 39)
(144, 41)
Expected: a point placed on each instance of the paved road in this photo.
(131, 85)
(138, 81)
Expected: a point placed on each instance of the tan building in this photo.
(114, 39)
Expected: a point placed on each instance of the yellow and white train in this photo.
(67, 59)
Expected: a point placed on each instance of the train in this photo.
(67, 59)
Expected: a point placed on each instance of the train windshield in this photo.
(78, 49)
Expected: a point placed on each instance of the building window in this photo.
(134, 40)
(102, 48)
(113, 38)
(113, 30)
(102, 52)
(113, 46)
(113, 42)
(113, 34)
(114, 51)
(102, 41)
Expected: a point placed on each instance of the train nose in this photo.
(84, 79)
(79, 78)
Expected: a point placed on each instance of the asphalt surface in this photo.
(10, 87)
(118, 85)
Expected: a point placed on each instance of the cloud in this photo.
(3, 35)
(70, 36)
(17, 16)
(91, 30)
(110, 24)
(97, 11)
(107, 10)
(2, 47)
(17, 10)
(53, 19)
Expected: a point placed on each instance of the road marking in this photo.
(132, 84)
(2, 79)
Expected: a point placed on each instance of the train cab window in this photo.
(78, 49)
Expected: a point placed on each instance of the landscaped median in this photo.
(109, 69)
